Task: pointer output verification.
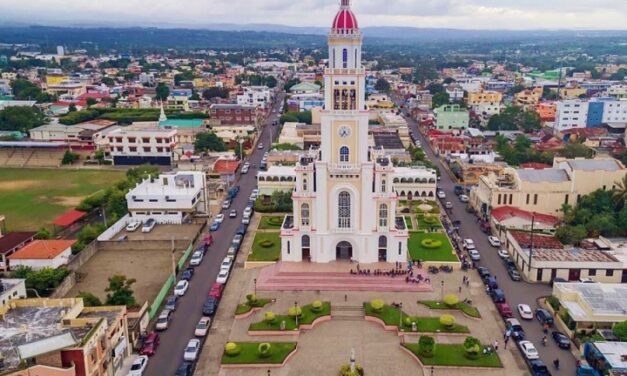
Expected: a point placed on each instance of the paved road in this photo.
(173, 341)
(516, 292)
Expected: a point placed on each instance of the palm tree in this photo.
(619, 193)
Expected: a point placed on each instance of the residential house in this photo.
(134, 145)
(40, 254)
(10, 243)
(509, 218)
(528, 97)
(233, 114)
(276, 178)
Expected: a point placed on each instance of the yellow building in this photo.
(528, 97)
(55, 79)
(484, 97)
(571, 92)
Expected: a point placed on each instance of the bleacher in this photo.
(45, 158)
(30, 157)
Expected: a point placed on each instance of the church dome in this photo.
(345, 19)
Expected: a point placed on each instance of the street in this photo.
(515, 292)
(188, 311)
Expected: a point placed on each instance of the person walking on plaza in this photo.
(496, 345)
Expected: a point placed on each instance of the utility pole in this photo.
(533, 220)
(173, 259)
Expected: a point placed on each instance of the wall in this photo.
(109, 233)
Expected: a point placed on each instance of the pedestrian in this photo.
(506, 340)
(467, 282)
(505, 336)
(496, 345)
(460, 289)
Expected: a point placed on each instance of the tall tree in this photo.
(440, 99)
(619, 193)
(162, 91)
(382, 85)
(119, 291)
(209, 141)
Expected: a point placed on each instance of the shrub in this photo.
(472, 347)
(426, 346)
(267, 243)
(269, 317)
(553, 302)
(430, 219)
(377, 304)
(316, 306)
(345, 370)
(275, 220)
(447, 320)
(231, 349)
(251, 299)
(451, 300)
(294, 312)
(408, 320)
(431, 243)
(264, 349)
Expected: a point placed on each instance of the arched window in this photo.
(383, 185)
(383, 215)
(396, 180)
(383, 242)
(355, 58)
(332, 64)
(304, 184)
(345, 58)
(304, 214)
(305, 241)
(344, 210)
(344, 154)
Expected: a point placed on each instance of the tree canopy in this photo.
(26, 90)
(215, 92)
(520, 151)
(119, 291)
(382, 85)
(440, 99)
(515, 118)
(21, 118)
(209, 141)
(162, 91)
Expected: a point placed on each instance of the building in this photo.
(341, 185)
(276, 178)
(76, 136)
(490, 97)
(170, 198)
(11, 289)
(547, 111)
(256, 96)
(136, 145)
(545, 191)
(550, 259)
(40, 254)
(528, 97)
(508, 218)
(305, 88)
(571, 114)
(455, 92)
(392, 122)
(595, 113)
(451, 117)
(10, 243)
(233, 114)
(617, 91)
(415, 183)
(62, 337)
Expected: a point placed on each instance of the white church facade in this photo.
(344, 199)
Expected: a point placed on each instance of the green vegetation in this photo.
(26, 90)
(266, 247)
(382, 85)
(278, 202)
(515, 118)
(391, 316)
(426, 346)
(345, 370)
(453, 355)
(461, 306)
(285, 146)
(250, 304)
(256, 80)
(32, 198)
(520, 151)
(620, 330)
(249, 352)
(162, 91)
(44, 280)
(21, 118)
(430, 221)
(119, 291)
(408, 223)
(270, 222)
(307, 315)
(440, 99)
(296, 117)
(417, 250)
(89, 299)
(126, 115)
(69, 158)
(209, 141)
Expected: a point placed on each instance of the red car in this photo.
(504, 310)
(151, 342)
(216, 290)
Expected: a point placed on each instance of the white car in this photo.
(463, 198)
(163, 321)
(441, 194)
(503, 253)
(139, 366)
(469, 244)
(525, 312)
(191, 351)
(134, 225)
(246, 220)
(247, 211)
(219, 218)
(202, 327)
(196, 258)
(245, 170)
(226, 204)
(474, 255)
(149, 225)
(494, 241)
(223, 276)
(448, 205)
(181, 288)
(260, 146)
(227, 263)
(529, 350)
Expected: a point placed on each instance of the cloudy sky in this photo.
(464, 14)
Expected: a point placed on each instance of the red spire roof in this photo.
(345, 19)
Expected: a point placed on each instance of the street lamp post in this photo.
(442, 290)
(296, 313)
(255, 286)
(400, 315)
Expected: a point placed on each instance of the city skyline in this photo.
(458, 14)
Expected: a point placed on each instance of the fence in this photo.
(185, 256)
(109, 233)
(161, 296)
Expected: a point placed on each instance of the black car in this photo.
(497, 295)
(210, 306)
(484, 273)
(544, 316)
(187, 274)
(170, 303)
(185, 369)
(241, 230)
(561, 339)
(509, 263)
(538, 368)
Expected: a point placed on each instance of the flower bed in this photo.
(308, 315)
(454, 355)
(248, 353)
(431, 243)
(266, 247)
(270, 222)
(417, 250)
(467, 309)
(391, 316)
(246, 307)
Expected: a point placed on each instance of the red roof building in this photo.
(508, 218)
(226, 166)
(12, 242)
(539, 241)
(69, 218)
(41, 254)
(535, 165)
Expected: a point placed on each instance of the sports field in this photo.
(32, 198)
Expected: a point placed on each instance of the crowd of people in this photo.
(397, 271)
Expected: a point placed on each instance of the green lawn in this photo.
(32, 198)
(245, 307)
(454, 355)
(270, 222)
(442, 253)
(408, 223)
(308, 316)
(391, 316)
(249, 354)
(424, 223)
(466, 308)
(270, 252)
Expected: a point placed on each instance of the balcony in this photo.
(344, 71)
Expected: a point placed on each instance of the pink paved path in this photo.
(334, 276)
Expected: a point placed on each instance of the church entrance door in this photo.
(344, 251)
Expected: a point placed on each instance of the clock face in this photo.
(344, 131)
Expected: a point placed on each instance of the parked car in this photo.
(139, 366)
(226, 204)
(469, 244)
(245, 169)
(150, 344)
(209, 307)
(223, 276)
(484, 273)
(504, 310)
(149, 225)
(202, 327)
(214, 226)
(528, 350)
(238, 239)
(186, 368)
(216, 290)
(525, 312)
(448, 205)
(513, 274)
(181, 287)
(170, 302)
(247, 211)
(458, 190)
(133, 225)
(503, 253)
(254, 193)
(538, 368)
(187, 274)
(260, 146)
(232, 252)
(245, 220)
(163, 321)
(509, 263)
(513, 325)
(474, 255)
(494, 241)
(192, 349)
(491, 283)
(497, 295)
(219, 218)
(233, 213)
(561, 339)
(463, 198)
(227, 262)
(544, 317)
(441, 194)
(196, 258)
(241, 229)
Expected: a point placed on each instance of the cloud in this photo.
(476, 14)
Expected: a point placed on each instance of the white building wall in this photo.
(615, 111)
(571, 114)
(62, 259)
(14, 289)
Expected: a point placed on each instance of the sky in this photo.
(458, 14)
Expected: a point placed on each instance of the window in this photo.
(288, 247)
(539, 274)
(528, 198)
(305, 241)
(304, 184)
(592, 272)
(535, 199)
(344, 154)
(345, 58)
(344, 210)
(383, 215)
(400, 248)
(383, 242)
(383, 184)
(499, 199)
(304, 214)
(609, 272)
(566, 199)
